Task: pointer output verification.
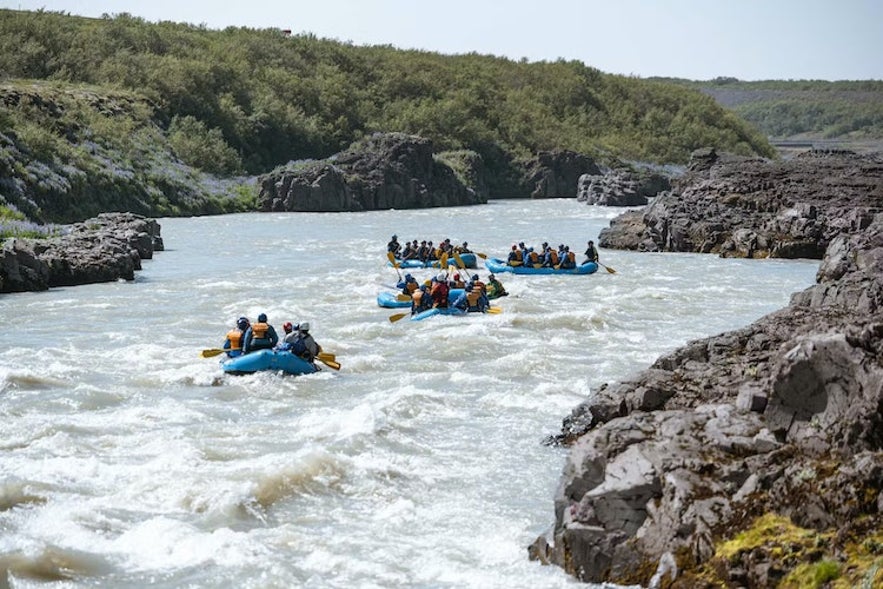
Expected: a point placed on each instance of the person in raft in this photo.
(235, 337)
(260, 336)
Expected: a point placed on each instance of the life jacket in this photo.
(571, 257)
(439, 295)
(235, 337)
(458, 283)
(553, 257)
(517, 256)
(534, 258)
(259, 330)
(416, 300)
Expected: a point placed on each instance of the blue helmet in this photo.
(262, 318)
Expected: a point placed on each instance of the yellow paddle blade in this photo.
(443, 261)
(460, 263)
(609, 269)
(211, 352)
(326, 356)
(481, 255)
(329, 363)
(397, 316)
(494, 310)
(392, 260)
(402, 297)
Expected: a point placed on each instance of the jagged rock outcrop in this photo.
(756, 208)
(620, 188)
(107, 248)
(385, 171)
(784, 416)
(556, 174)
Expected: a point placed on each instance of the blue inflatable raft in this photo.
(271, 360)
(469, 260)
(390, 300)
(497, 265)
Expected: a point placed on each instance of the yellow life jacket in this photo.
(235, 337)
(259, 330)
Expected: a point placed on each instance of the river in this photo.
(128, 460)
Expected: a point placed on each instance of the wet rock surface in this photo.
(103, 249)
(783, 417)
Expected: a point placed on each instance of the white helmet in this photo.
(305, 326)
(441, 277)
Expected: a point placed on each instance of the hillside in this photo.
(243, 101)
(804, 111)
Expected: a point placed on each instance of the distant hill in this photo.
(803, 111)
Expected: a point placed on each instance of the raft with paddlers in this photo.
(497, 265)
(397, 300)
(470, 260)
(269, 360)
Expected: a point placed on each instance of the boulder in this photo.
(384, 171)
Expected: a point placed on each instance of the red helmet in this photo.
(287, 326)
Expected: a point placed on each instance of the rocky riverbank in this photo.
(103, 249)
(753, 457)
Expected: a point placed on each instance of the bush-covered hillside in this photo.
(246, 99)
(803, 109)
(67, 154)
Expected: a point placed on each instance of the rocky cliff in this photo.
(756, 208)
(755, 457)
(107, 248)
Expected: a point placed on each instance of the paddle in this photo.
(402, 297)
(326, 356)
(328, 362)
(392, 260)
(460, 263)
(481, 255)
(211, 352)
(608, 268)
(443, 261)
(494, 310)
(397, 316)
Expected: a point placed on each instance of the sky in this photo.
(693, 39)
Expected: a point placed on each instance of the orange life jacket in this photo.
(518, 257)
(571, 257)
(534, 258)
(259, 330)
(235, 337)
(553, 257)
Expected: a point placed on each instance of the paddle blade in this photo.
(397, 316)
(443, 261)
(460, 263)
(609, 269)
(328, 363)
(402, 297)
(494, 310)
(326, 356)
(211, 353)
(481, 255)
(392, 260)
